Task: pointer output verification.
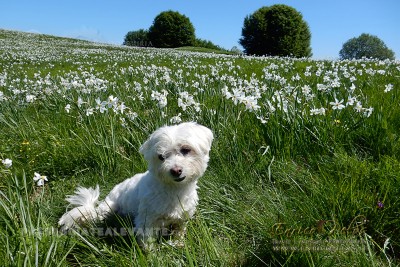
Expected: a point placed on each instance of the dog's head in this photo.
(178, 154)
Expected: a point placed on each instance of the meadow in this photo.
(304, 169)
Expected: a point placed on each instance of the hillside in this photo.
(304, 168)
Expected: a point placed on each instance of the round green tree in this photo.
(365, 45)
(278, 30)
(137, 38)
(172, 29)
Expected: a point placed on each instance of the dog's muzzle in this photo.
(180, 179)
(176, 172)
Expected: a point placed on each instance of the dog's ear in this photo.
(206, 135)
(146, 147)
(203, 137)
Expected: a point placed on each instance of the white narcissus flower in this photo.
(358, 107)
(67, 108)
(388, 88)
(317, 111)
(351, 100)
(337, 104)
(39, 179)
(80, 102)
(101, 105)
(112, 101)
(2, 97)
(176, 119)
(368, 111)
(7, 163)
(30, 98)
(89, 111)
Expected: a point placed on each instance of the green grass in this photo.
(284, 187)
(204, 50)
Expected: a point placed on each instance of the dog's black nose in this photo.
(176, 172)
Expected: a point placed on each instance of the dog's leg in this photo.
(178, 234)
(147, 231)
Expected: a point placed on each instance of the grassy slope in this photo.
(293, 172)
(205, 50)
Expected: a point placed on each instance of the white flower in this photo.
(306, 89)
(251, 103)
(120, 108)
(358, 107)
(337, 104)
(176, 119)
(89, 111)
(237, 96)
(39, 179)
(123, 122)
(296, 78)
(7, 163)
(270, 106)
(314, 111)
(112, 101)
(181, 104)
(67, 108)
(322, 87)
(351, 100)
(317, 111)
(197, 107)
(284, 105)
(352, 88)
(160, 97)
(368, 111)
(80, 102)
(226, 93)
(30, 98)
(262, 119)
(132, 115)
(101, 105)
(388, 88)
(185, 100)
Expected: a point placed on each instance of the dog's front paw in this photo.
(177, 243)
(146, 243)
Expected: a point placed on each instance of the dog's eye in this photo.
(161, 157)
(184, 151)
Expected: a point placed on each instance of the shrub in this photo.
(278, 30)
(207, 44)
(171, 29)
(365, 45)
(137, 38)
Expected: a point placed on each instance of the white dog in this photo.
(163, 197)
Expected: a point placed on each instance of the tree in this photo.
(171, 29)
(137, 38)
(236, 50)
(278, 30)
(206, 44)
(365, 45)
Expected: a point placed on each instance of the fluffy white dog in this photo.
(163, 197)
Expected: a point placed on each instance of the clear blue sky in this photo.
(331, 22)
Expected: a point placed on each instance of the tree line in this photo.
(277, 30)
(170, 29)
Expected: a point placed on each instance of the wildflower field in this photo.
(304, 169)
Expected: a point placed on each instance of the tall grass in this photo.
(284, 187)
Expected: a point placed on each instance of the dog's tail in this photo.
(84, 201)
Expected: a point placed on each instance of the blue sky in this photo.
(331, 22)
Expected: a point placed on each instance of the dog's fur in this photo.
(164, 196)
